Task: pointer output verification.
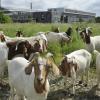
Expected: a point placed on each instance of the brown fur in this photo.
(28, 69)
(65, 67)
(22, 48)
(39, 87)
(2, 37)
(86, 36)
(9, 44)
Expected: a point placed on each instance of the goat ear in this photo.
(73, 61)
(28, 69)
(49, 55)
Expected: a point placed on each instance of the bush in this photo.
(97, 19)
(4, 18)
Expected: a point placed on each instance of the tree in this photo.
(4, 18)
(97, 19)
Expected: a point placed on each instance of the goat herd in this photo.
(28, 68)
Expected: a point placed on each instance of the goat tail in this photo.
(96, 52)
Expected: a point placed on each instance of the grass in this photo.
(30, 29)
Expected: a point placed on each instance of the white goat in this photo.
(92, 42)
(34, 86)
(97, 66)
(75, 64)
(3, 57)
(56, 37)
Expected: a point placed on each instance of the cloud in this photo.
(95, 7)
(85, 5)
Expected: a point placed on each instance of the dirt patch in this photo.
(59, 91)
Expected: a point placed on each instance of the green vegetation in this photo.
(97, 19)
(30, 29)
(4, 18)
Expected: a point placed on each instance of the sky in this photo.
(84, 5)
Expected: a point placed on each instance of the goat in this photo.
(75, 64)
(19, 34)
(92, 42)
(40, 38)
(2, 36)
(97, 66)
(57, 37)
(69, 31)
(29, 79)
(9, 50)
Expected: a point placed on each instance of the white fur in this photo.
(94, 44)
(31, 39)
(82, 58)
(24, 84)
(56, 37)
(3, 57)
(97, 66)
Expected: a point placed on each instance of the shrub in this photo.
(97, 19)
(4, 18)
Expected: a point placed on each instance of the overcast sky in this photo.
(85, 5)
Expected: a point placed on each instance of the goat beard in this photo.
(39, 87)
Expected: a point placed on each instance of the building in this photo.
(42, 16)
(63, 15)
(52, 15)
(21, 16)
(18, 15)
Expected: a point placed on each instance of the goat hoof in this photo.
(85, 85)
(80, 82)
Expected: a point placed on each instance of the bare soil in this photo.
(59, 91)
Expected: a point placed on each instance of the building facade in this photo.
(67, 15)
(52, 15)
(42, 17)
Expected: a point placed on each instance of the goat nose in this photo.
(41, 51)
(39, 79)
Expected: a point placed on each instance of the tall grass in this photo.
(30, 29)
